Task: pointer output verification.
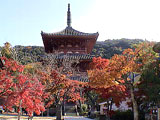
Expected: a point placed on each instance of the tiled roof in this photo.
(69, 31)
(71, 56)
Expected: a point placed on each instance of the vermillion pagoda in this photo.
(71, 42)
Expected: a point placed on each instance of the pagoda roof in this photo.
(71, 56)
(69, 31)
(69, 34)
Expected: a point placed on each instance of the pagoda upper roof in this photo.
(69, 34)
(69, 31)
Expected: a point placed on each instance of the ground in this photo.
(76, 118)
(14, 117)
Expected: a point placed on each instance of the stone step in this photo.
(71, 114)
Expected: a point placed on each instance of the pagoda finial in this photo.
(69, 16)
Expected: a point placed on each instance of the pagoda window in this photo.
(69, 52)
(76, 46)
(61, 45)
(55, 47)
(61, 52)
(69, 45)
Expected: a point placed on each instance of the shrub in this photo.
(84, 107)
(122, 115)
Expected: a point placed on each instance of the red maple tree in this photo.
(19, 89)
(103, 83)
(59, 89)
(117, 74)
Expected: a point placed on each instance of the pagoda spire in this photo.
(69, 16)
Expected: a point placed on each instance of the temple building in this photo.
(72, 43)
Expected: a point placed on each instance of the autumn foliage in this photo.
(112, 79)
(32, 87)
(110, 72)
(59, 87)
(102, 81)
(20, 90)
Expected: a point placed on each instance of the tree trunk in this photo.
(19, 115)
(134, 102)
(59, 112)
(47, 111)
(111, 104)
(93, 100)
(42, 113)
(19, 111)
(30, 117)
(80, 106)
(92, 112)
(63, 108)
(93, 106)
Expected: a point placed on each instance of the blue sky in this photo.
(21, 21)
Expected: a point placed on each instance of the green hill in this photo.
(105, 49)
(108, 48)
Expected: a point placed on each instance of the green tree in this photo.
(6, 50)
(150, 85)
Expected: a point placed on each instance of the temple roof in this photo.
(69, 31)
(71, 56)
(52, 41)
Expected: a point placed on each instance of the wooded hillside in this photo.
(105, 49)
(108, 48)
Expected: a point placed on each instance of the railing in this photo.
(79, 78)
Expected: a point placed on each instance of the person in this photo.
(89, 112)
(76, 110)
(1, 110)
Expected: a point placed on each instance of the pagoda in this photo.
(72, 43)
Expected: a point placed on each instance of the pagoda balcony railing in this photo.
(77, 50)
(72, 48)
(79, 78)
(82, 74)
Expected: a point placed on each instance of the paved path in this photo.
(14, 117)
(76, 118)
